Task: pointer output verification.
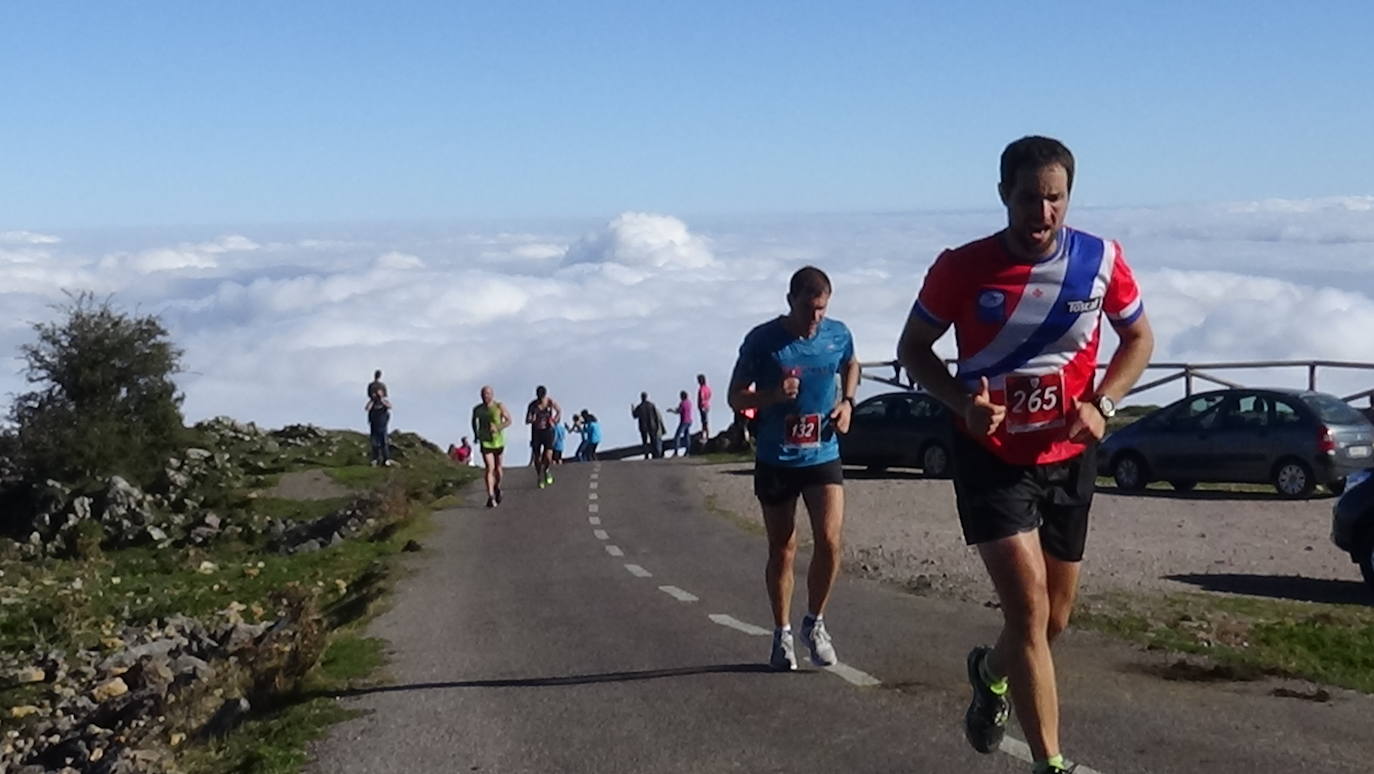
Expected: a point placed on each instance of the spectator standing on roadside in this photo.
(591, 438)
(650, 426)
(378, 417)
(704, 406)
(682, 437)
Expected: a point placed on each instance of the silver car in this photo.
(1292, 439)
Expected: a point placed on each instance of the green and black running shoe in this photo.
(985, 723)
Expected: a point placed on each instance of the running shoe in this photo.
(543, 482)
(491, 501)
(548, 477)
(1066, 768)
(985, 722)
(783, 657)
(817, 641)
(498, 495)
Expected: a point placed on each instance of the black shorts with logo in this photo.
(542, 440)
(775, 484)
(997, 499)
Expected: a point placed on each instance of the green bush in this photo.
(105, 401)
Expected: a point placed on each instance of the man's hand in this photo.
(982, 416)
(1088, 423)
(840, 415)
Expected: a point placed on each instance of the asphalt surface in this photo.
(522, 642)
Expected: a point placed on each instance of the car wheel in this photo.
(1183, 486)
(1293, 479)
(1129, 472)
(935, 461)
(1364, 555)
(1336, 487)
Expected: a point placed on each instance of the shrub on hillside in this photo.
(105, 401)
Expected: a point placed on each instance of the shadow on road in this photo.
(1282, 587)
(553, 682)
(1204, 494)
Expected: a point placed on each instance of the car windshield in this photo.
(1333, 410)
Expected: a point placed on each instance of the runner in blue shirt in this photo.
(800, 373)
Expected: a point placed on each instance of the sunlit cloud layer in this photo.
(286, 324)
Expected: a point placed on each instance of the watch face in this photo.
(1107, 406)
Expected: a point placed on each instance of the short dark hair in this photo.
(644, 396)
(540, 391)
(377, 374)
(701, 378)
(808, 282)
(1034, 152)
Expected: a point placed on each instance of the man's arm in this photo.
(1127, 364)
(844, 407)
(916, 353)
(506, 420)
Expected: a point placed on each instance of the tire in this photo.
(1293, 479)
(1183, 486)
(1364, 556)
(1128, 469)
(1336, 487)
(935, 461)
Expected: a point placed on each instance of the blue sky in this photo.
(144, 113)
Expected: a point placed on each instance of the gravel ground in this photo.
(902, 528)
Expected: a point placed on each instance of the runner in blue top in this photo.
(800, 373)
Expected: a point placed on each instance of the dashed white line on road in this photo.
(593, 508)
(738, 625)
(601, 534)
(614, 551)
(594, 520)
(678, 594)
(852, 675)
(592, 495)
(592, 484)
(638, 572)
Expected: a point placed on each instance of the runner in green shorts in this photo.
(489, 422)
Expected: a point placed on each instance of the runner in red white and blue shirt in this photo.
(1026, 305)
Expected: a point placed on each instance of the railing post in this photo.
(1187, 381)
(1312, 377)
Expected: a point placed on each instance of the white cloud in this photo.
(27, 238)
(288, 327)
(644, 240)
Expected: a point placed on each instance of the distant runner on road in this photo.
(543, 415)
(1026, 305)
(489, 422)
(800, 373)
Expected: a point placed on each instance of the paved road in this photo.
(611, 624)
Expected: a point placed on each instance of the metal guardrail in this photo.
(1188, 373)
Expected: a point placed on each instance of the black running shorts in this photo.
(542, 440)
(775, 484)
(997, 499)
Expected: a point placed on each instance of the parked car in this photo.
(1352, 522)
(900, 429)
(1293, 439)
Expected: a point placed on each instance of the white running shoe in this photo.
(784, 656)
(817, 640)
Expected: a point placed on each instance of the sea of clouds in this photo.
(284, 324)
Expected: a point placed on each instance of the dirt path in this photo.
(903, 528)
(307, 485)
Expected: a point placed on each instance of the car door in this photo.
(930, 422)
(1176, 446)
(1238, 444)
(867, 428)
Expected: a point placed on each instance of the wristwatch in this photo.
(1106, 405)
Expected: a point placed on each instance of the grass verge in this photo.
(1327, 643)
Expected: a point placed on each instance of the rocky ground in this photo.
(134, 624)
